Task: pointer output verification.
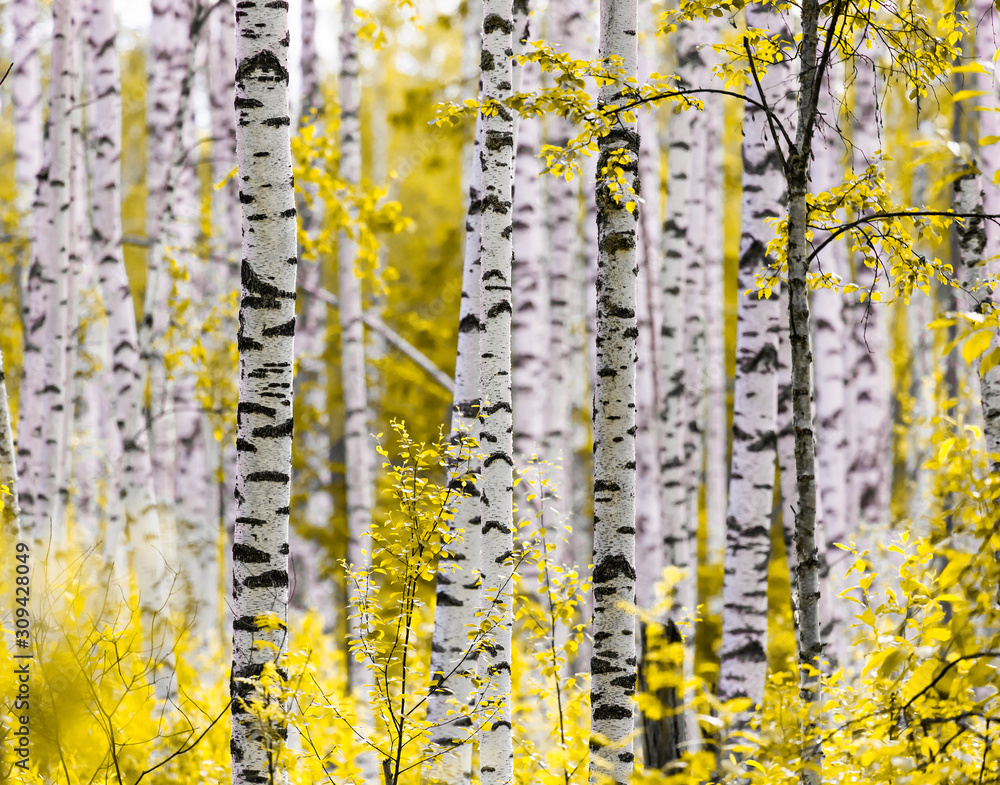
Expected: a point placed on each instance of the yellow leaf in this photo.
(961, 95)
(976, 345)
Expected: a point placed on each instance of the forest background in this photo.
(130, 619)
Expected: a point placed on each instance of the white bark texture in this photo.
(869, 404)
(831, 342)
(352, 336)
(496, 753)
(33, 193)
(716, 441)
(52, 276)
(613, 662)
(987, 42)
(266, 336)
(452, 667)
(171, 55)
(26, 93)
(310, 61)
(530, 340)
(569, 28)
(648, 529)
(786, 442)
(308, 587)
(987, 36)
(10, 520)
(104, 131)
(755, 397)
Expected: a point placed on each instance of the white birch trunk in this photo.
(496, 753)
(226, 216)
(171, 57)
(786, 443)
(530, 339)
(649, 534)
(26, 92)
(831, 341)
(10, 520)
(57, 390)
(987, 34)
(353, 369)
(755, 404)
(869, 404)
(716, 437)
(452, 663)
(613, 662)
(309, 589)
(267, 329)
(104, 129)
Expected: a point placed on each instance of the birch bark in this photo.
(56, 392)
(831, 340)
(496, 754)
(266, 337)
(649, 532)
(986, 46)
(26, 92)
(869, 404)
(613, 662)
(10, 521)
(34, 194)
(452, 667)
(755, 404)
(171, 54)
(807, 567)
(309, 588)
(530, 324)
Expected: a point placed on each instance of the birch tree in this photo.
(613, 662)
(831, 341)
(755, 397)
(496, 752)
(452, 663)
(44, 413)
(986, 47)
(869, 404)
(531, 291)
(10, 520)
(26, 92)
(797, 166)
(264, 418)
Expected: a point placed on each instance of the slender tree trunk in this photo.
(452, 666)
(496, 754)
(530, 339)
(51, 278)
(264, 419)
(309, 587)
(170, 55)
(26, 92)
(786, 443)
(987, 36)
(613, 662)
(869, 404)
(353, 368)
(649, 534)
(11, 518)
(807, 566)
(755, 405)
(34, 194)
(831, 341)
(716, 440)
(452, 663)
